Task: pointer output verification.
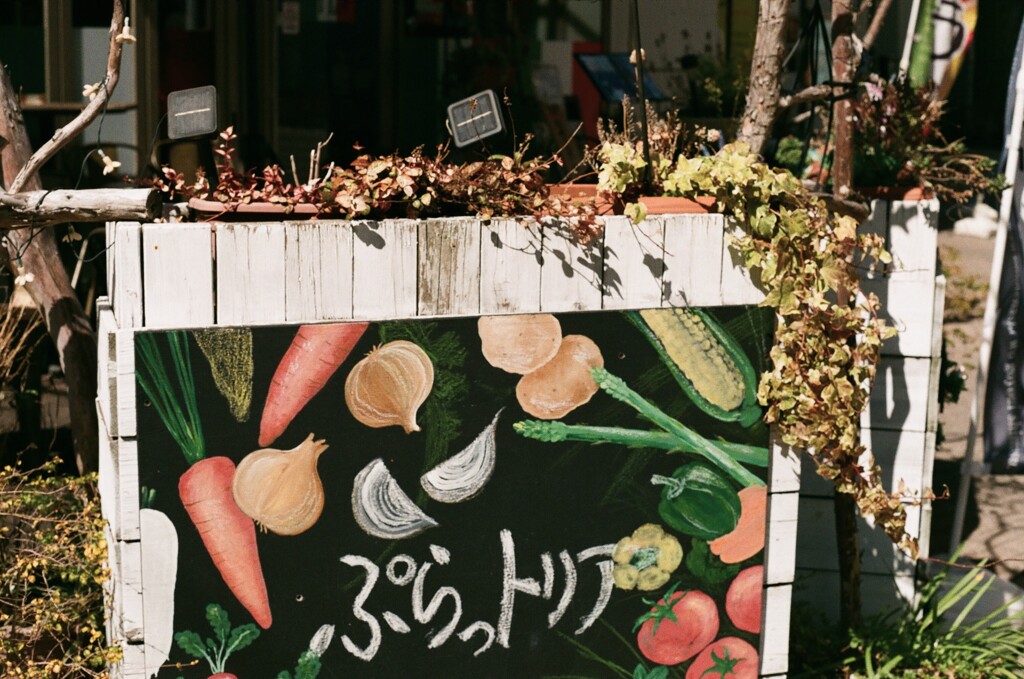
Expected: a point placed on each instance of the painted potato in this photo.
(564, 383)
(519, 344)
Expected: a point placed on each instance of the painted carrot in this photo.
(314, 356)
(205, 489)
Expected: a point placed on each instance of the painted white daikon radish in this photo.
(462, 476)
(159, 571)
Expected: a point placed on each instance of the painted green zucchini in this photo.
(706, 362)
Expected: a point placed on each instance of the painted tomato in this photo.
(743, 600)
(678, 628)
(727, 658)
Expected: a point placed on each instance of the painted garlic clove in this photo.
(462, 476)
(389, 385)
(381, 507)
(280, 489)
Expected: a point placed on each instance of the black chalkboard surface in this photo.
(562, 543)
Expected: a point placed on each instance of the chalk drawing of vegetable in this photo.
(389, 385)
(381, 507)
(225, 642)
(160, 564)
(464, 475)
(309, 666)
(314, 356)
(229, 352)
(205, 489)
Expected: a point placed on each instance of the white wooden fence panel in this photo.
(131, 602)
(913, 238)
(251, 280)
(133, 665)
(449, 267)
(816, 543)
(109, 479)
(123, 419)
(880, 593)
(634, 262)
(127, 451)
(784, 467)
(739, 285)
(384, 269)
(177, 268)
(570, 279)
(901, 398)
(901, 455)
(106, 377)
(780, 547)
(510, 266)
(693, 260)
(907, 304)
(318, 271)
(775, 618)
(126, 292)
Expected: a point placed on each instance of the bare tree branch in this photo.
(40, 208)
(876, 23)
(65, 134)
(819, 92)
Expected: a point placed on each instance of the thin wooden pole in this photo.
(642, 95)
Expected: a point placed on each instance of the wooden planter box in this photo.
(270, 277)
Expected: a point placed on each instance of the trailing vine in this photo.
(829, 335)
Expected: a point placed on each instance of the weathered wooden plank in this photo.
(127, 451)
(938, 312)
(784, 467)
(510, 267)
(907, 304)
(131, 594)
(739, 285)
(126, 260)
(900, 398)
(634, 262)
(177, 267)
(123, 416)
(780, 546)
(913, 238)
(106, 355)
(775, 618)
(570, 279)
(133, 664)
(318, 271)
(449, 267)
(816, 540)
(693, 260)
(900, 454)
(250, 274)
(108, 482)
(384, 269)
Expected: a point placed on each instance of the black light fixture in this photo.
(474, 118)
(192, 112)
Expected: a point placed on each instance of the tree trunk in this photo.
(34, 250)
(763, 90)
(843, 67)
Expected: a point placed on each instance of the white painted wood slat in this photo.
(780, 546)
(449, 267)
(109, 478)
(693, 260)
(250, 274)
(122, 422)
(907, 304)
(106, 377)
(900, 398)
(739, 285)
(900, 454)
(634, 263)
(784, 466)
(384, 269)
(318, 271)
(913, 238)
(126, 293)
(570, 279)
(131, 601)
(510, 267)
(775, 617)
(127, 451)
(177, 267)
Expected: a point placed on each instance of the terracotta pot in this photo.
(236, 212)
(895, 192)
(656, 205)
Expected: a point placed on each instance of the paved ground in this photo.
(994, 527)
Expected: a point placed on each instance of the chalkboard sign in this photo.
(518, 496)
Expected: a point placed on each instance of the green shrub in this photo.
(52, 566)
